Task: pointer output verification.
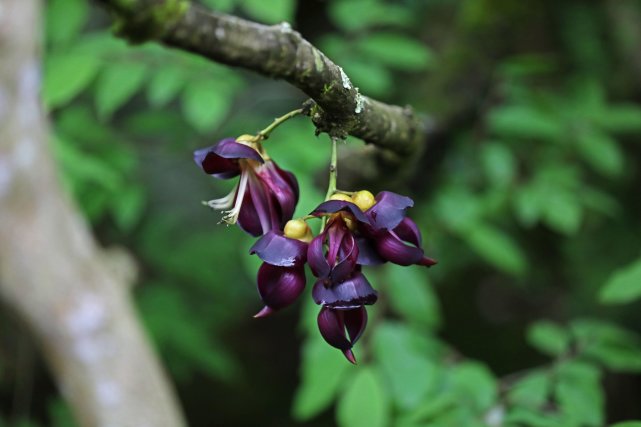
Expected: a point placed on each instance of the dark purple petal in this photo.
(280, 286)
(333, 206)
(408, 230)
(248, 218)
(279, 185)
(276, 249)
(351, 293)
(348, 255)
(389, 210)
(230, 149)
(355, 322)
(221, 160)
(316, 257)
(367, 254)
(392, 248)
(264, 205)
(332, 328)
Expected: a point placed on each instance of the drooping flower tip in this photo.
(279, 286)
(349, 355)
(264, 312)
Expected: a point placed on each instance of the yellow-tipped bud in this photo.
(349, 222)
(298, 229)
(341, 196)
(363, 199)
(246, 138)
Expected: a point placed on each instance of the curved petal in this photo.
(333, 206)
(351, 293)
(355, 322)
(280, 286)
(278, 250)
(230, 149)
(316, 257)
(248, 218)
(392, 248)
(367, 254)
(332, 328)
(408, 230)
(345, 263)
(212, 164)
(389, 210)
(276, 185)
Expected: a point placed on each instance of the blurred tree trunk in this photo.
(52, 274)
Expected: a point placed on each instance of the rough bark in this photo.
(279, 52)
(52, 274)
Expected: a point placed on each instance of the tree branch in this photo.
(279, 52)
(51, 271)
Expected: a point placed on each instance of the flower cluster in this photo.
(358, 230)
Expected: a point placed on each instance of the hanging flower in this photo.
(265, 197)
(333, 325)
(281, 277)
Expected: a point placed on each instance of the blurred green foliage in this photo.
(532, 210)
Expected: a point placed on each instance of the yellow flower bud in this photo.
(298, 229)
(363, 199)
(341, 196)
(246, 138)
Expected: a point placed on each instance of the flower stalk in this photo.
(264, 134)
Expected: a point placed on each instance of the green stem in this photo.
(333, 173)
(264, 134)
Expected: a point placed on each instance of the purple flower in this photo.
(333, 257)
(265, 196)
(402, 245)
(281, 277)
(333, 324)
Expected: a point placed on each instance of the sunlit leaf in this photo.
(165, 85)
(531, 391)
(499, 163)
(623, 286)
(548, 337)
(474, 384)
(270, 12)
(65, 19)
(396, 50)
(365, 402)
(411, 295)
(66, 75)
(578, 392)
(205, 104)
(412, 375)
(117, 84)
(323, 370)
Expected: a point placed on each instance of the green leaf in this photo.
(497, 248)
(221, 5)
(205, 104)
(533, 418)
(369, 13)
(116, 85)
(66, 75)
(525, 122)
(474, 385)
(396, 51)
(578, 392)
(623, 286)
(128, 207)
(614, 347)
(65, 19)
(365, 401)
(410, 374)
(270, 12)
(601, 152)
(562, 211)
(165, 85)
(531, 391)
(323, 370)
(499, 164)
(548, 337)
(627, 424)
(411, 296)
(620, 118)
(371, 77)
